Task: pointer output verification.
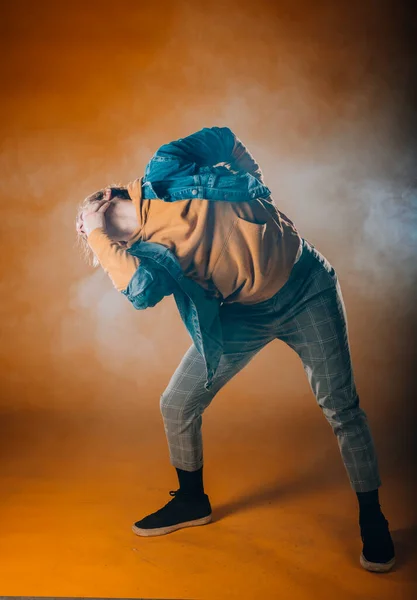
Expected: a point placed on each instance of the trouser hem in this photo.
(186, 467)
(366, 486)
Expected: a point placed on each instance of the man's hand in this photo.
(93, 215)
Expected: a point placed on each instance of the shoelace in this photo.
(164, 508)
(181, 494)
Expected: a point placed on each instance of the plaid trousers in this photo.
(309, 315)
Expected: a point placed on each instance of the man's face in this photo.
(79, 224)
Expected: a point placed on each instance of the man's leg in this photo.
(319, 336)
(182, 405)
(318, 333)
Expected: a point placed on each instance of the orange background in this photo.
(321, 97)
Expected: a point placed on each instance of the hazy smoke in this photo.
(352, 196)
(112, 325)
(312, 108)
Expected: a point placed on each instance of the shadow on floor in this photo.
(311, 481)
(405, 541)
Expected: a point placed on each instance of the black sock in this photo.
(368, 503)
(191, 482)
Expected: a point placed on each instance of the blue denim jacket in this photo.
(180, 170)
(158, 275)
(186, 169)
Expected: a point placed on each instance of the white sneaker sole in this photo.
(171, 528)
(376, 567)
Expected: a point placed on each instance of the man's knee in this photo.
(169, 404)
(344, 416)
(180, 406)
(176, 406)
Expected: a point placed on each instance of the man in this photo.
(201, 225)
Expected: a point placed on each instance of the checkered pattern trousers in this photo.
(309, 315)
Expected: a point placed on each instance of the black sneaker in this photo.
(378, 552)
(182, 511)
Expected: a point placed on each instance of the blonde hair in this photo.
(117, 191)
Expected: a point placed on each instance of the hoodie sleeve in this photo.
(116, 262)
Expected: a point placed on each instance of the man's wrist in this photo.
(96, 231)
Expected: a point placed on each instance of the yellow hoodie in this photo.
(235, 249)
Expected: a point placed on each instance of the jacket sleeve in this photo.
(116, 262)
(207, 147)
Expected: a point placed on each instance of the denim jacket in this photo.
(186, 169)
(179, 170)
(158, 275)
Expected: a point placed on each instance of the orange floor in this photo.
(284, 517)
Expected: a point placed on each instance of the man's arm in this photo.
(116, 262)
(206, 147)
(112, 256)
